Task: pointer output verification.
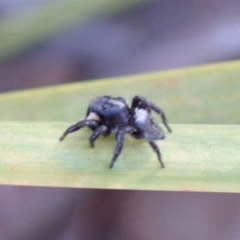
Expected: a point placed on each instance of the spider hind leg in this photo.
(90, 123)
(100, 130)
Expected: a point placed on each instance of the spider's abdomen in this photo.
(113, 112)
(116, 117)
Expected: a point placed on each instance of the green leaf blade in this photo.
(203, 95)
(197, 158)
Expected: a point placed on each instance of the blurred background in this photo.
(52, 42)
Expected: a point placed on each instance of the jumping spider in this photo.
(107, 115)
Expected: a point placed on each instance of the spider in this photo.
(111, 115)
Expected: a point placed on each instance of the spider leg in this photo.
(100, 130)
(157, 151)
(141, 102)
(161, 113)
(118, 148)
(79, 125)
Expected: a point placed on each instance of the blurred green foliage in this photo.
(22, 31)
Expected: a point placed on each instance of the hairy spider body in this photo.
(107, 115)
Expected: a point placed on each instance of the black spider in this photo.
(106, 115)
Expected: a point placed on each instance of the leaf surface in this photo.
(197, 158)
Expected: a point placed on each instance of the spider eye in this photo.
(104, 107)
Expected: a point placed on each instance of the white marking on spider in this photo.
(117, 103)
(141, 115)
(93, 116)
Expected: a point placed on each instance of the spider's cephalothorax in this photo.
(106, 115)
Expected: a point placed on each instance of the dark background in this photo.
(152, 36)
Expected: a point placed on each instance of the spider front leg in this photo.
(157, 151)
(143, 103)
(118, 148)
(90, 123)
(138, 135)
(100, 130)
(161, 113)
